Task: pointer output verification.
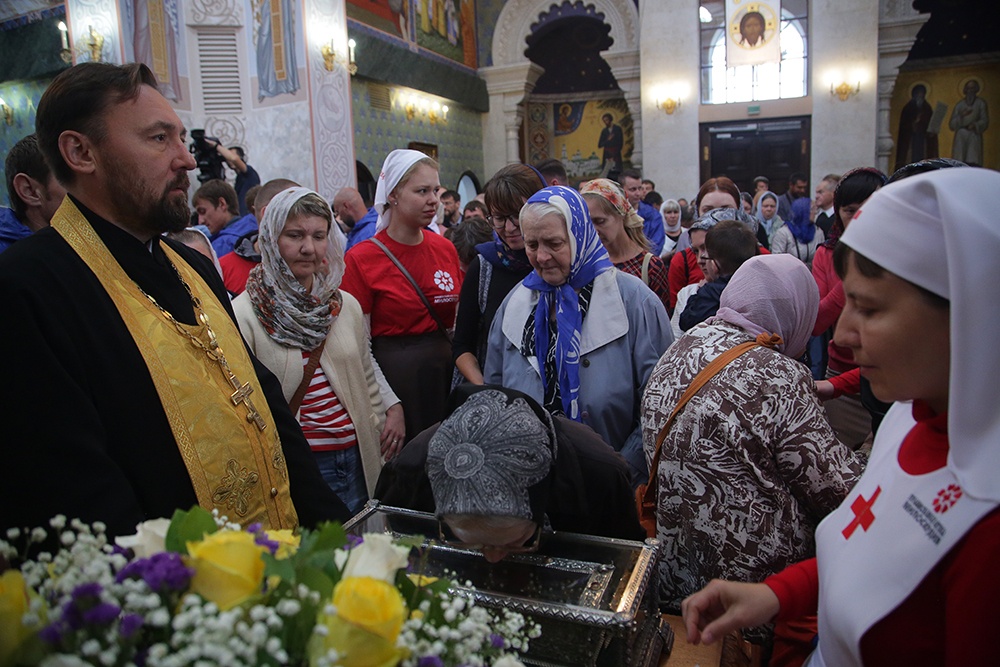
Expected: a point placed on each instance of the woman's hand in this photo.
(393, 432)
(824, 389)
(724, 606)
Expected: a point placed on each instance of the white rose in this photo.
(149, 538)
(507, 661)
(377, 557)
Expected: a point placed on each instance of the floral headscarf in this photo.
(588, 259)
(292, 316)
(614, 195)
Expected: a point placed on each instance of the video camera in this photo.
(208, 158)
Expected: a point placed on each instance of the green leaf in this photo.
(282, 568)
(318, 581)
(190, 526)
(330, 536)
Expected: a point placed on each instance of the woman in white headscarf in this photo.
(295, 319)
(750, 466)
(407, 280)
(676, 236)
(906, 571)
(767, 214)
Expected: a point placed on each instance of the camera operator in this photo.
(246, 176)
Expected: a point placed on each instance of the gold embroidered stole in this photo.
(234, 466)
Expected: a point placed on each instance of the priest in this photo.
(127, 390)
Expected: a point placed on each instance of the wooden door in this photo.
(743, 150)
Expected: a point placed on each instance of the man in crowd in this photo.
(452, 203)
(215, 203)
(246, 176)
(761, 184)
(647, 187)
(156, 402)
(824, 202)
(631, 182)
(360, 220)
(34, 193)
(798, 186)
(553, 171)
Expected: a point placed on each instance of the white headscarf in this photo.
(939, 230)
(772, 294)
(397, 163)
(663, 212)
(289, 314)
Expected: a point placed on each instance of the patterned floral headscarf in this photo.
(614, 195)
(292, 316)
(588, 260)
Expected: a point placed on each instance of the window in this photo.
(749, 83)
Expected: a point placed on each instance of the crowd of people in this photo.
(802, 384)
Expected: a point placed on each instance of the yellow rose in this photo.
(228, 567)
(13, 605)
(288, 542)
(421, 580)
(363, 631)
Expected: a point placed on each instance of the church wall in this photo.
(22, 97)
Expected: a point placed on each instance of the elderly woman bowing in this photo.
(312, 336)
(578, 335)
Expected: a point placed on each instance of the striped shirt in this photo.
(323, 418)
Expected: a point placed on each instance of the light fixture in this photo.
(8, 113)
(64, 53)
(331, 57)
(668, 98)
(844, 90)
(436, 112)
(94, 42)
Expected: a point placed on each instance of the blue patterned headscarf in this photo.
(588, 259)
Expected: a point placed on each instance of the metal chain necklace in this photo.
(212, 350)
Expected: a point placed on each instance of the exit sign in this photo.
(753, 110)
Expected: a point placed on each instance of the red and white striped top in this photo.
(323, 418)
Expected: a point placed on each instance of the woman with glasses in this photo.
(578, 335)
(407, 280)
(499, 468)
(501, 264)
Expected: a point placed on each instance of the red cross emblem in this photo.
(863, 515)
(946, 498)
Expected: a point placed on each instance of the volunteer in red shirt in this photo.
(410, 338)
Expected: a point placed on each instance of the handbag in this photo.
(420, 292)
(645, 494)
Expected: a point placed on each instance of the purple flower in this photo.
(92, 589)
(354, 540)
(165, 570)
(130, 623)
(51, 634)
(261, 539)
(496, 641)
(101, 614)
(430, 661)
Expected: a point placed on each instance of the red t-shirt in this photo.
(235, 271)
(683, 271)
(386, 295)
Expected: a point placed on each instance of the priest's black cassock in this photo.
(83, 430)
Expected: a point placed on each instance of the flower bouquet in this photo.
(198, 590)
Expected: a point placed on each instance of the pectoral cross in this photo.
(242, 395)
(863, 515)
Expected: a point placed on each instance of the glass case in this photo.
(594, 597)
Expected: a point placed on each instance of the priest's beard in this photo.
(141, 209)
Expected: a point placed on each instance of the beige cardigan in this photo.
(347, 363)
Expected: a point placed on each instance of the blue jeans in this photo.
(343, 472)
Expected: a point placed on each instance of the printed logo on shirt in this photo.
(946, 498)
(443, 280)
(925, 517)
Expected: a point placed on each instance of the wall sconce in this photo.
(8, 113)
(331, 57)
(669, 98)
(65, 53)
(435, 111)
(95, 43)
(845, 90)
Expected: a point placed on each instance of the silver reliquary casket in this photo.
(594, 597)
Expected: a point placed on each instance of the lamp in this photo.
(65, 53)
(94, 42)
(8, 113)
(669, 105)
(331, 57)
(435, 111)
(845, 90)
(669, 97)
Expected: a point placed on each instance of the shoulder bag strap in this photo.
(307, 375)
(645, 267)
(420, 292)
(706, 374)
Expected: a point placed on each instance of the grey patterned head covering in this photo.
(717, 215)
(492, 456)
